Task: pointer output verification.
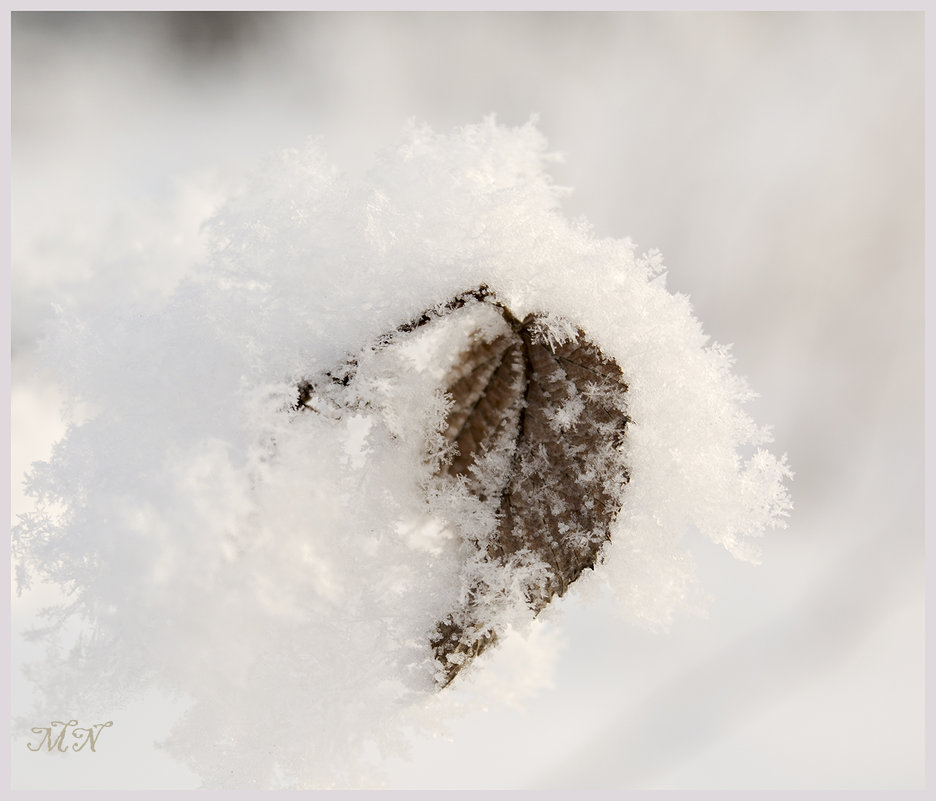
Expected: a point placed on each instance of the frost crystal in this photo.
(322, 573)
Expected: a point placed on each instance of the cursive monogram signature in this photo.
(53, 735)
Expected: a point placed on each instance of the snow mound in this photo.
(284, 572)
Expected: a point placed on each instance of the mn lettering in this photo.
(55, 736)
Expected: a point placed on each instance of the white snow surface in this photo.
(282, 571)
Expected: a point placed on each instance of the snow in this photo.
(777, 162)
(292, 566)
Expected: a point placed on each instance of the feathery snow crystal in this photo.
(309, 489)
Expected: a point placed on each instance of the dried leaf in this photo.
(561, 412)
(536, 427)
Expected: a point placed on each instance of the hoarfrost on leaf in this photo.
(321, 572)
(526, 419)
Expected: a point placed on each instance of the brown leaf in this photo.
(561, 412)
(535, 427)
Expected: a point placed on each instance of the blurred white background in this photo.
(777, 162)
